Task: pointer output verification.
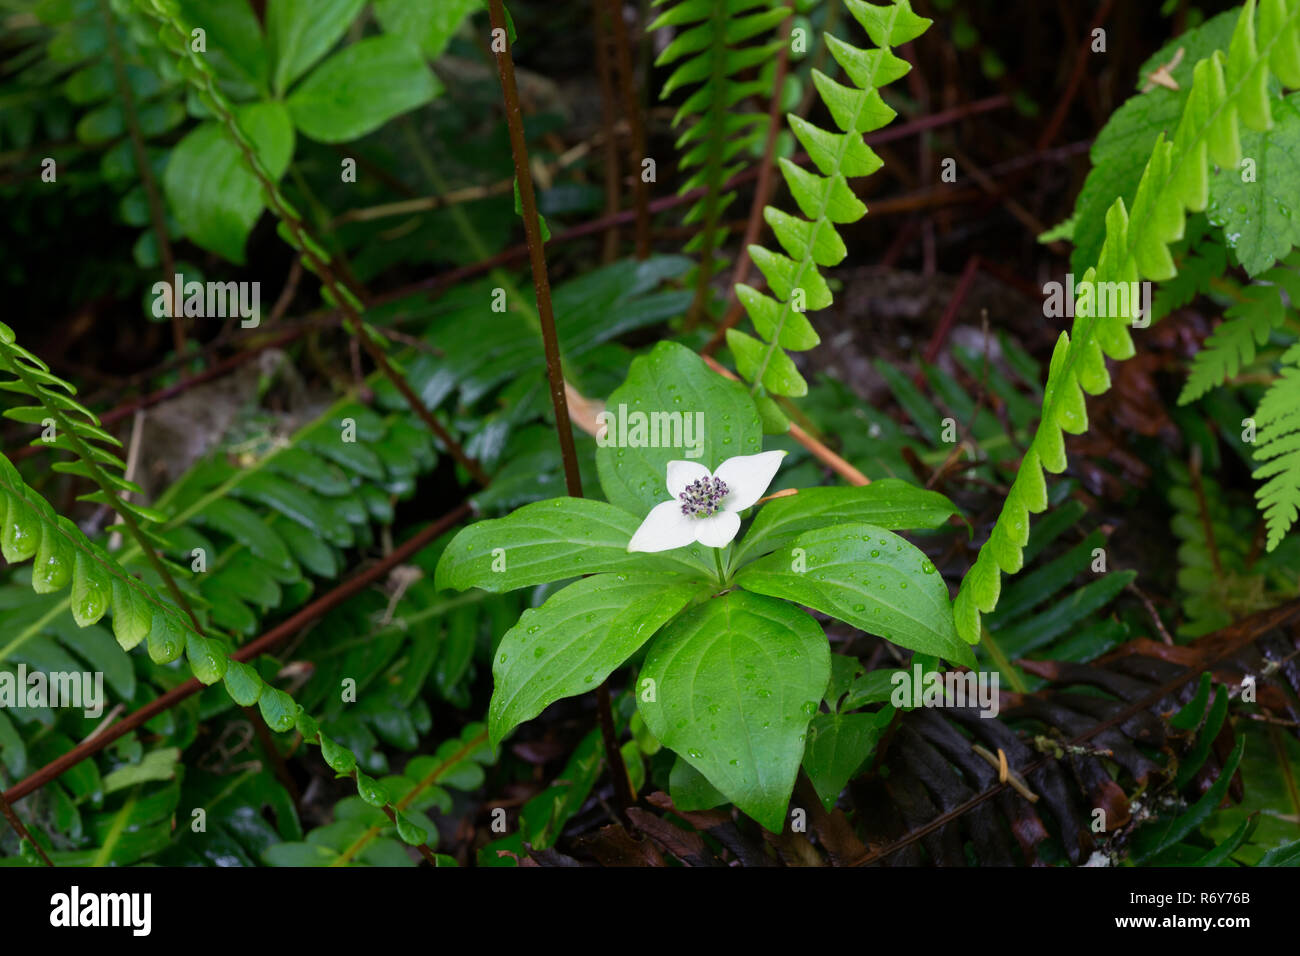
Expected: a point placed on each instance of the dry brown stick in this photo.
(425, 203)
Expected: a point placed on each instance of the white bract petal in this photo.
(747, 478)
(682, 473)
(664, 528)
(717, 530)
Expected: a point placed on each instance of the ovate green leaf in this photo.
(735, 682)
(868, 577)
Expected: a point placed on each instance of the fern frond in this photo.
(67, 425)
(1216, 583)
(1226, 93)
(824, 198)
(365, 835)
(64, 556)
(713, 48)
(1232, 345)
(1278, 449)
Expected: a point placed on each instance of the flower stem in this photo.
(717, 559)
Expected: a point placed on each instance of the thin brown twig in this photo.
(1076, 78)
(287, 293)
(8, 813)
(536, 252)
(425, 203)
(1151, 612)
(950, 311)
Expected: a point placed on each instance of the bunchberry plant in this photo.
(730, 668)
(415, 500)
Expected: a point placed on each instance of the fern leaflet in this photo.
(1232, 345)
(1278, 448)
(824, 198)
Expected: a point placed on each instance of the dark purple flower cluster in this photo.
(703, 496)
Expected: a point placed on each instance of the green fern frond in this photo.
(1246, 325)
(824, 198)
(1216, 584)
(1226, 93)
(1278, 449)
(714, 47)
(63, 556)
(67, 425)
(365, 835)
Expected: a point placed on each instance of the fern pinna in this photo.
(1260, 318)
(708, 53)
(824, 198)
(1227, 92)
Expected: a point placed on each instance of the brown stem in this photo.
(536, 254)
(8, 813)
(550, 341)
(617, 769)
(262, 645)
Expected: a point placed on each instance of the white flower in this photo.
(705, 506)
